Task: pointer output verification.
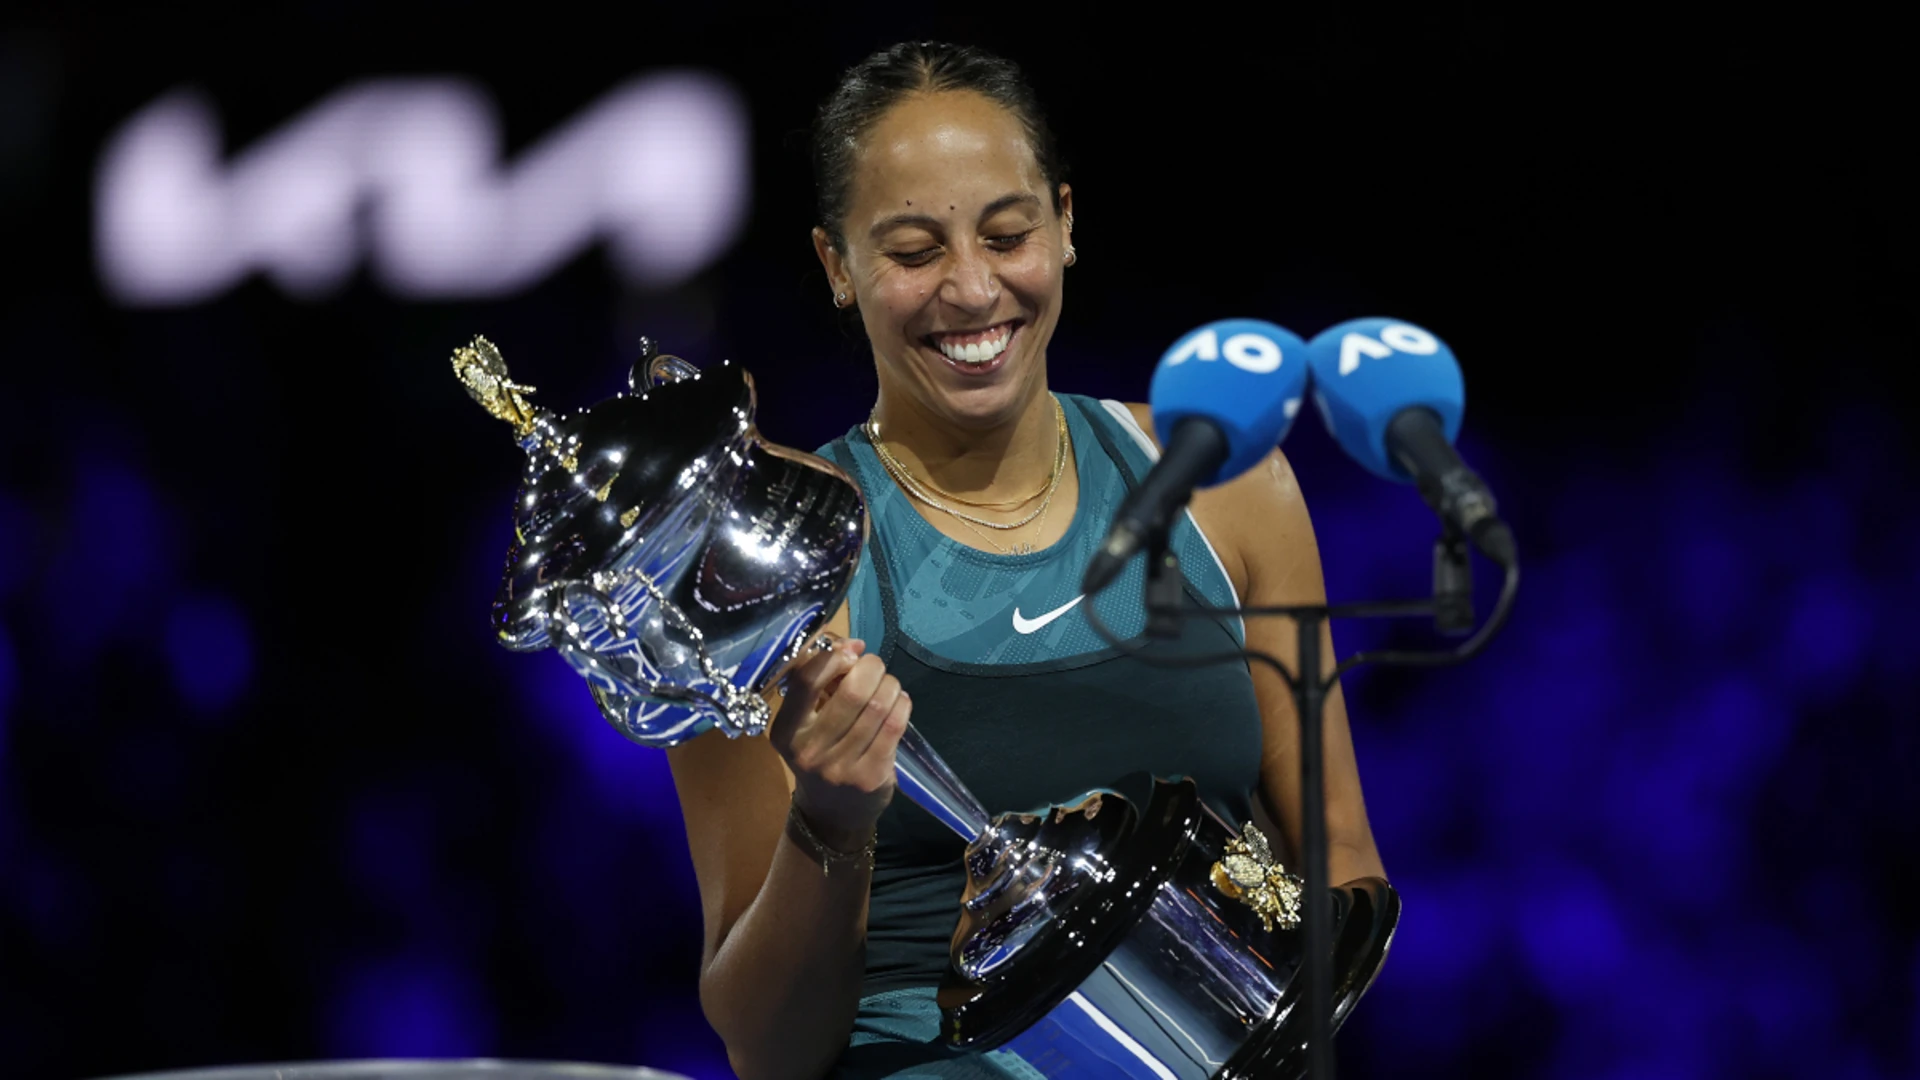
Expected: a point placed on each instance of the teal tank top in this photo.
(1015, 689)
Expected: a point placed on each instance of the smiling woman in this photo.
(953, 240)
(945, 220)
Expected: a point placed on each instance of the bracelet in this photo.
(824, 854)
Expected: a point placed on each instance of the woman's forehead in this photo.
(944, 153)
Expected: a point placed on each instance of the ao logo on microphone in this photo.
(1393, 337)
(1251, 352)
(406, 175)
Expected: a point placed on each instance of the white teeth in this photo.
(978, 352)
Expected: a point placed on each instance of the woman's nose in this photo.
(970, 282)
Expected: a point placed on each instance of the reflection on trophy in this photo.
(679, 562)
(674, 557)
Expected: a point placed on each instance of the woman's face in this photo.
(954, 255)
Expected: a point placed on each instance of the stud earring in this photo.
(839, 299)
(1072, 256)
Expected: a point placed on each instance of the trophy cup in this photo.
(679, 562)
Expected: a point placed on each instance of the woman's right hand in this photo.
(840, 719)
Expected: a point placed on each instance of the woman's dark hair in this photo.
(882, 80)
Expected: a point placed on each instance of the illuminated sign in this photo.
(407, 175)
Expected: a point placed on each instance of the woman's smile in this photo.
(975, 352)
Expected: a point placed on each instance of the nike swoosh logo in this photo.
(1028, 626)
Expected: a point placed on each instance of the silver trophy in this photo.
(679, 561)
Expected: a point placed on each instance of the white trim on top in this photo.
(1120, 412)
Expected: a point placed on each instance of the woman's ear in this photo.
(1067, 255)
(836, 267)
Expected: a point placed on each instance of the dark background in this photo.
(269, 792)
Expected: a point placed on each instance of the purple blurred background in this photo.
(268, 790)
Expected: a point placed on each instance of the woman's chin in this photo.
(981, 403)
(976, 395)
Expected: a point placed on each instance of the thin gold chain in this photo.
(916, 488)
(1017, 549)
(919, 489)
(1039, 529)
(873, 429)
(908, 483)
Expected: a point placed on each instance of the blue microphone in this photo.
(1223, 397)
(1392, 395)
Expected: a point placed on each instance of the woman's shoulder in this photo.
(1132, 421)
(1142, 415)
(1254, 517)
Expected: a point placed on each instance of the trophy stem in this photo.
(925, 778)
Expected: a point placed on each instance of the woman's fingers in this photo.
(859, 739)
(876, 761)
(795, 677)
(807, 689)
(820, 668)
(837, 729)
(865, 689)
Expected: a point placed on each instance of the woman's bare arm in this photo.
(785, 942)
(1258, 525)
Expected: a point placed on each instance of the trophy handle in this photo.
(667, 368)
(925, 778)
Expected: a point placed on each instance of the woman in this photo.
(945, 223)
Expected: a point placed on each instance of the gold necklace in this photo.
(1017, 549)
(1053, 478)
(917, 488)
(912, 486)
(873, 431)
(1039, 529)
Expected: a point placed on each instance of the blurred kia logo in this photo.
(406, 173)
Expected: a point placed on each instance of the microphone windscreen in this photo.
(1244, 375)
(1366, 371)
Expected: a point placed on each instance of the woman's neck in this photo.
(1005, 461)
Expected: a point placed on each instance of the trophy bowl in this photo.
(675, 558)
(679, 561)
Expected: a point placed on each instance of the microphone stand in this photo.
(1451, 607)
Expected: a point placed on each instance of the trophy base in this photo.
(1365, 914)
(1156, 974)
